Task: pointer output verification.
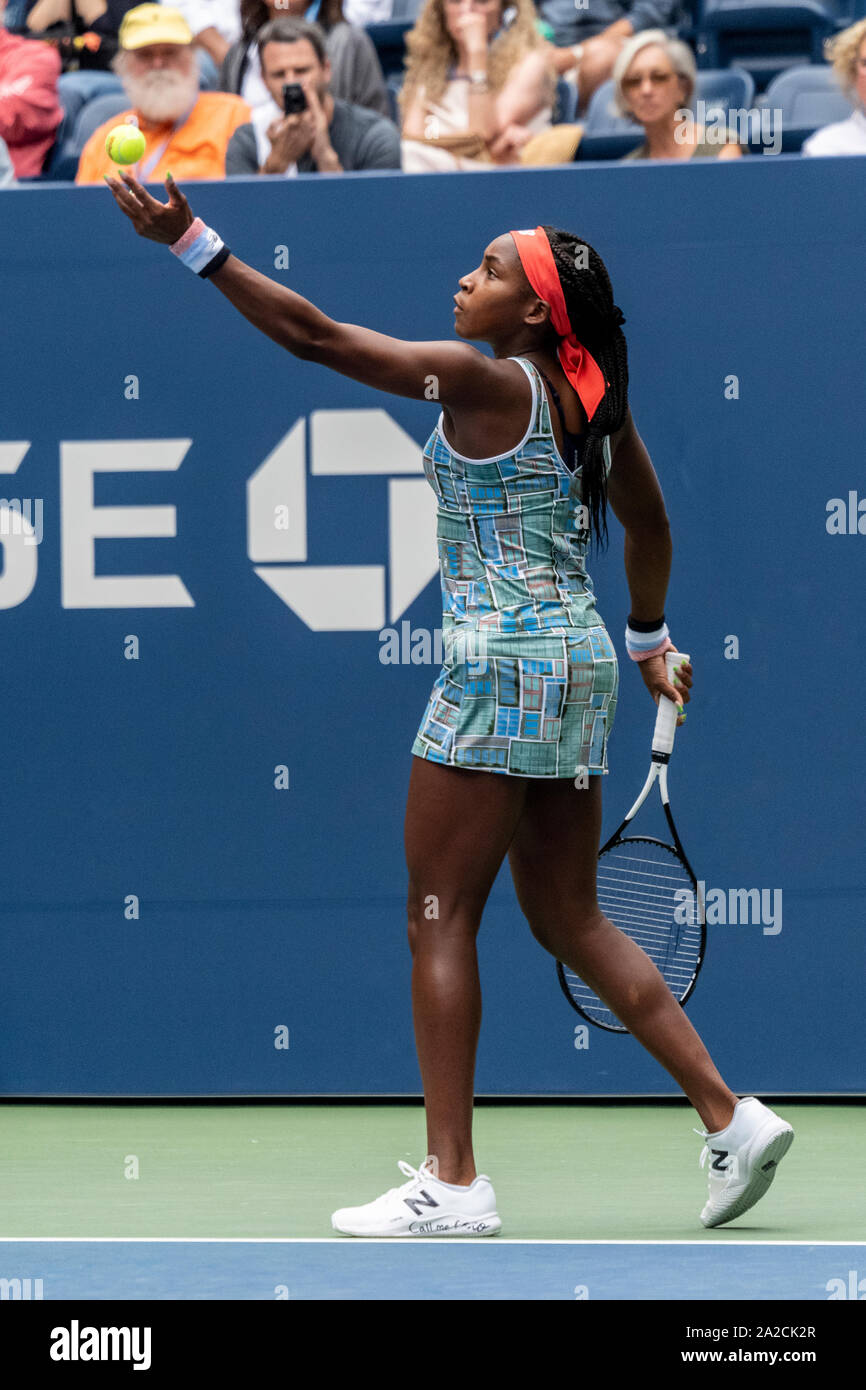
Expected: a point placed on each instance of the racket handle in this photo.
(666, 719)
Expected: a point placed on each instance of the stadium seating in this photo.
(389, 36)
(765, 37)
(806, 98)
(63, 160)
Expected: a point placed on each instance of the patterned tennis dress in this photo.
(530, 677)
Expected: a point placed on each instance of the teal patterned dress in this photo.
(530, 677)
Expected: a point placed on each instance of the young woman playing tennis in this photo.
(531, 445)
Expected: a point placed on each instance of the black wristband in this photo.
(219, 259)
(640, 625)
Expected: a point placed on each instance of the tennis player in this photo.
(530, 447)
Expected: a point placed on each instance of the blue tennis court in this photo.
(430, 1269)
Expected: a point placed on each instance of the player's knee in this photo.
(433, 915)
(557, 929)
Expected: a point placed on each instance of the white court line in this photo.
(397, 1240)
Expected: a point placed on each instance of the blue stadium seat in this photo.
(565, 103)
(765, 37)
(807, 98)
(610, 136)
(389, 37)
(393, 83)
(63, 161)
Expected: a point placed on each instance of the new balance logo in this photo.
(415, 1203)
(720, 1156)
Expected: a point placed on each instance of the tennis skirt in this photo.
(523, 704)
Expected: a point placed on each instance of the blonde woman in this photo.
(478, 84)
(847, 53)
(654, 81)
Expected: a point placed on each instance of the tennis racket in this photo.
(648, 889)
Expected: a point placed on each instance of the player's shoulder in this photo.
(626, 431)
(462, 377)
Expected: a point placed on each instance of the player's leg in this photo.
(458, 827)
(553, 857)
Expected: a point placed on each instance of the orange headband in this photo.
(577, 362)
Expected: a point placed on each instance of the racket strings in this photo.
(648, 893)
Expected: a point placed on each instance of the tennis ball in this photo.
(124, 144)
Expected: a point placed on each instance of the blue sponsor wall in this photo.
(167, 907)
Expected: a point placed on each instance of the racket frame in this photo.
(663, 739)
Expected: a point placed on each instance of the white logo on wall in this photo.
(343, 598)
(328, 598)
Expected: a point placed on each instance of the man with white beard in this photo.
(186, 131)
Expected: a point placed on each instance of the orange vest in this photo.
(196, 151)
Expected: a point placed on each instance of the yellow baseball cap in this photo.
(153, 24)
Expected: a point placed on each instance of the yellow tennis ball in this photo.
(124, 144)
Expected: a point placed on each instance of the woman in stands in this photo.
(654, 80)
(479, 83)
(356, 73)
(531, 444)
(847, 52)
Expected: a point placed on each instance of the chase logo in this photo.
(342, 598)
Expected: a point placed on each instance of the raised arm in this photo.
(453, 373)
(636, 500)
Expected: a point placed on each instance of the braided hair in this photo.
(596, 321)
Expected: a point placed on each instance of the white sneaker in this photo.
(424, 1206)
(745, 1156)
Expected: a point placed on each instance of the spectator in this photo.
(329, 136)
(29, 109)
(478, 85)
(654, 81)
(356, 73)
(185, 130)
(7, 173)
(589, 38)
(847, 52)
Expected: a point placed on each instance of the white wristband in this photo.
(641, 645)
(201, 249)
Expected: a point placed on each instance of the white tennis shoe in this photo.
(743, 1159)
(424, 1206)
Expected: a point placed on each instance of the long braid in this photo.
(595, 320)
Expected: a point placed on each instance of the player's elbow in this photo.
(317, 343)
(651, 525)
